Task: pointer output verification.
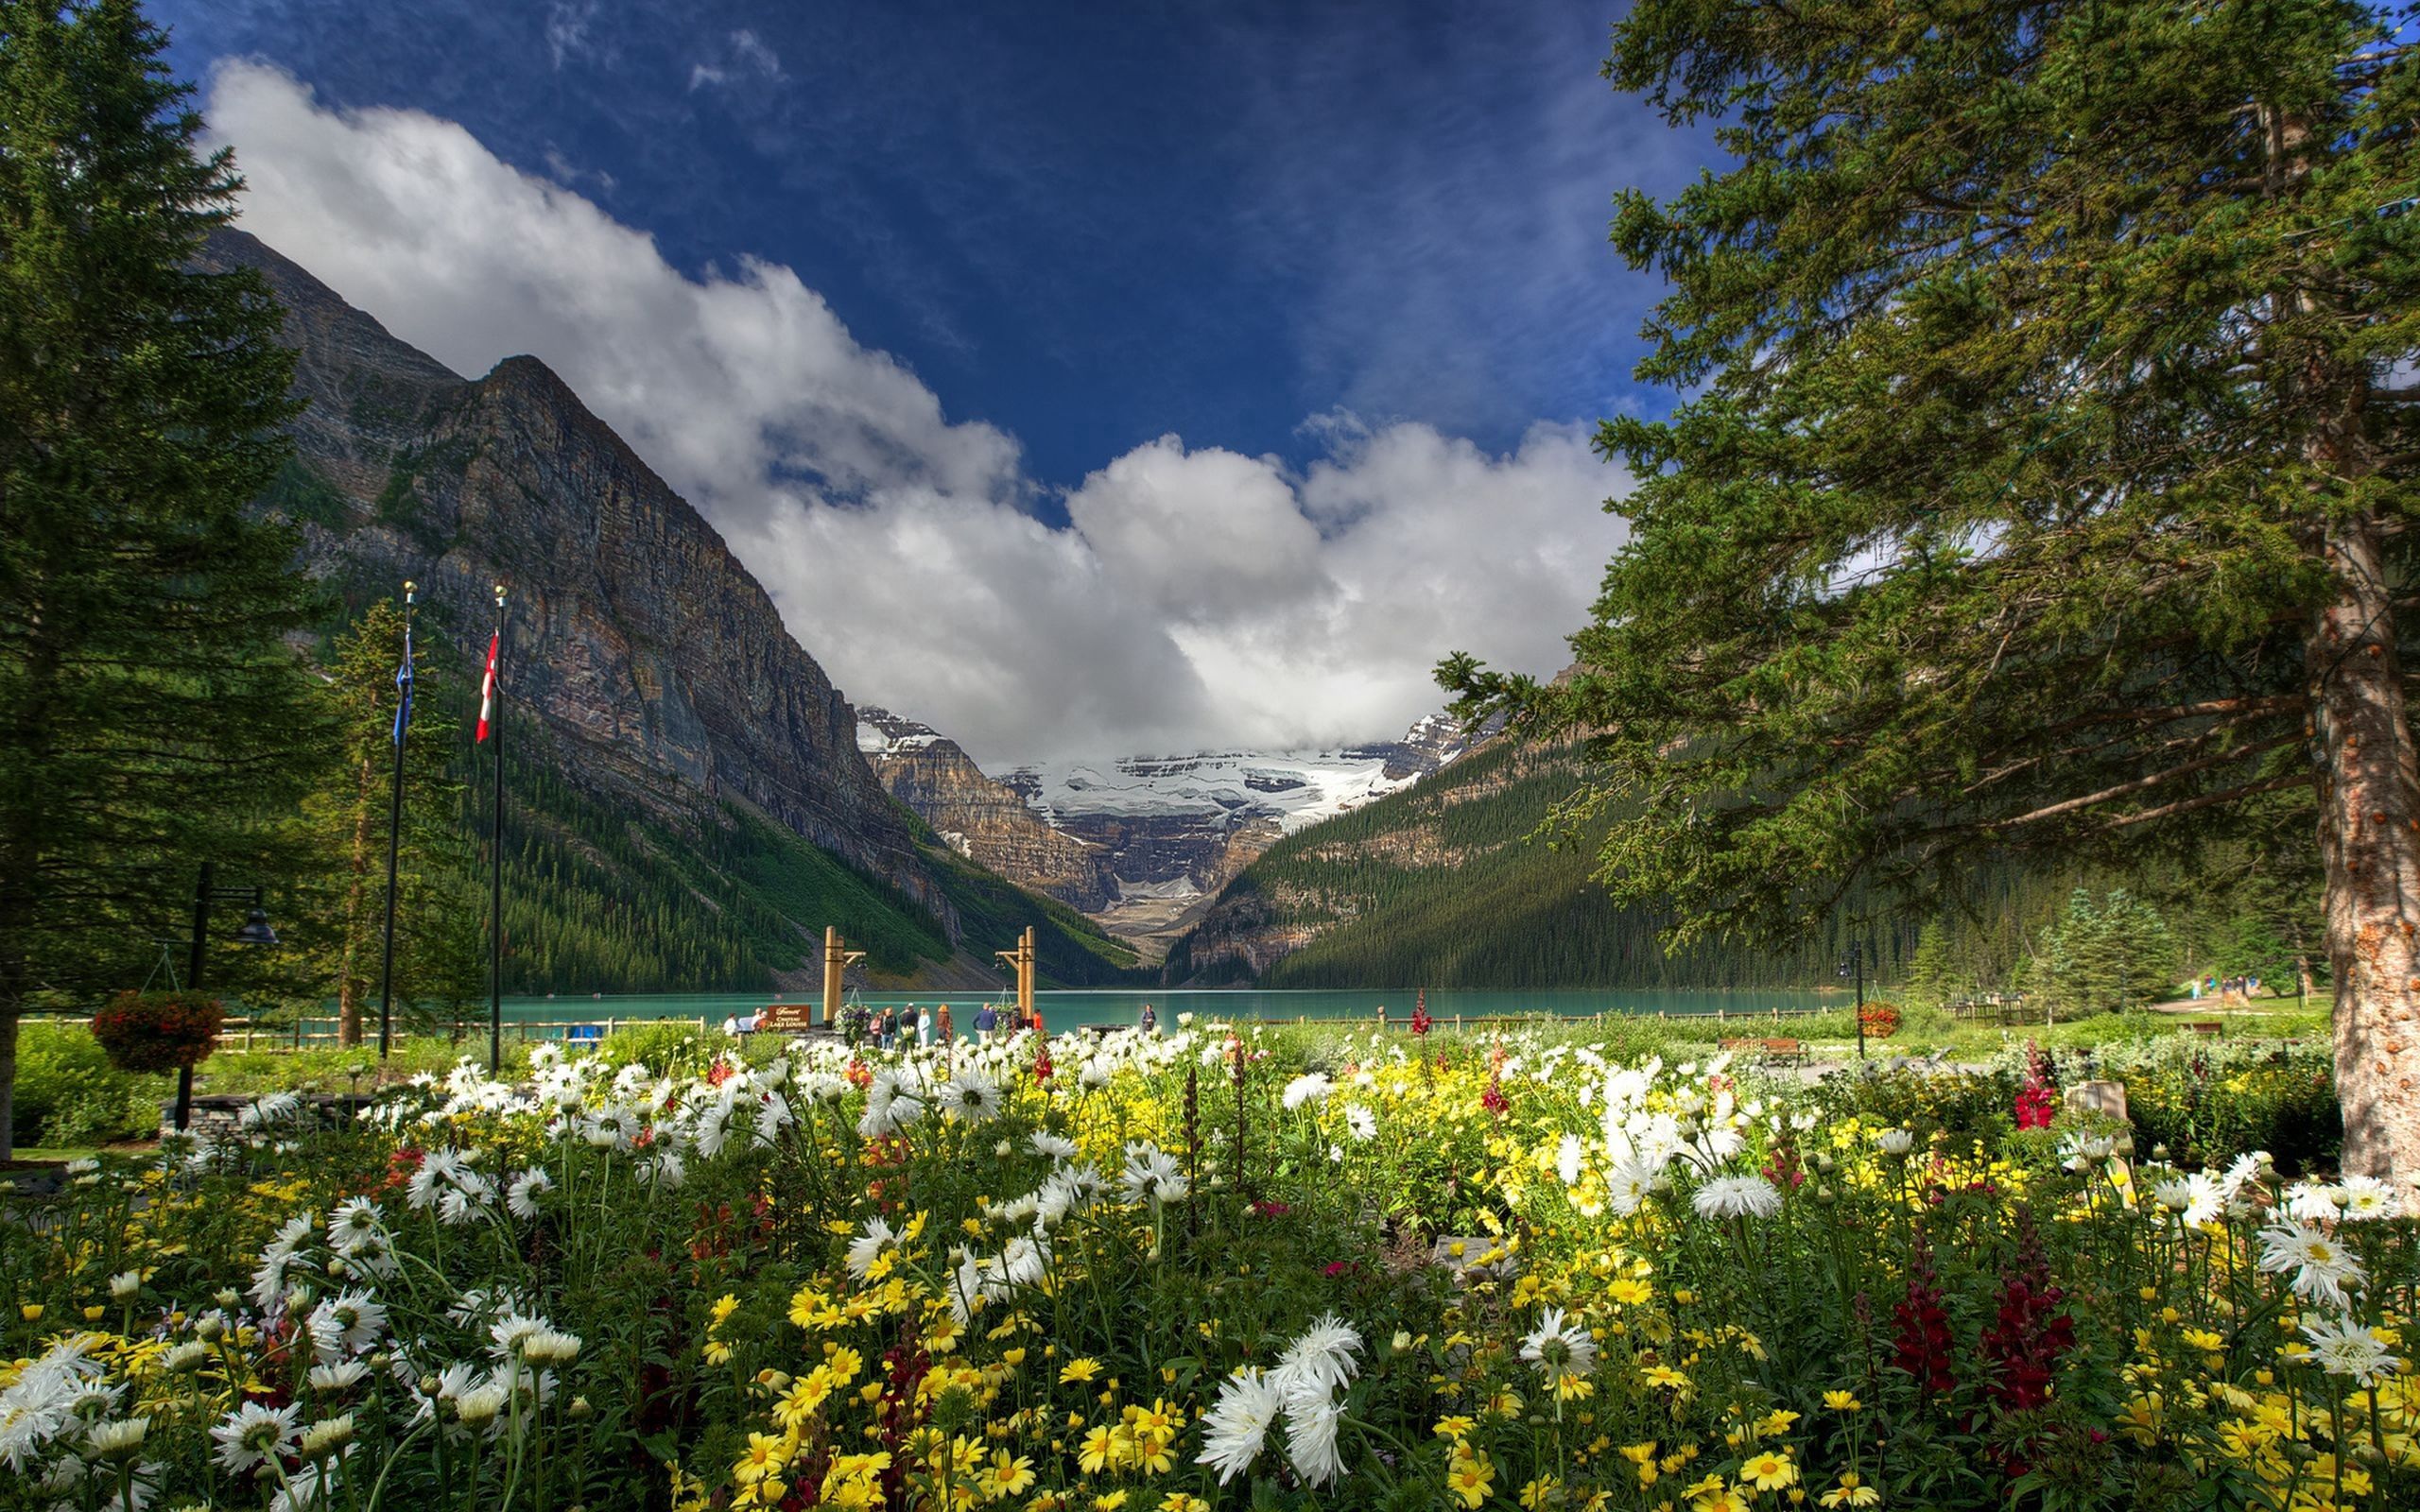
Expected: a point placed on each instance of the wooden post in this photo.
(1021, 959)
(837, 959)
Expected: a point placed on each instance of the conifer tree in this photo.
(2044, 477)
(336, 946)
(148, 703)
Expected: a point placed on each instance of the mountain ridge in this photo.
(706, 761)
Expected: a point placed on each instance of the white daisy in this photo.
(252, 1434)
(2348, 1347)
(1312, 1087)
(2367, 1200)
(2323, 1268)
(1236, 1425)
(1559, 1348)
(521, 1198)
(1311, 1438)
(1737, 1196)
(868, 1244)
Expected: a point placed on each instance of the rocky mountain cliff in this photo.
(1170, 824)
(979, 818)
(683, 741)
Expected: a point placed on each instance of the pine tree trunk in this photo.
(2369, 833)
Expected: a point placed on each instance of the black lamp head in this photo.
(257, 930)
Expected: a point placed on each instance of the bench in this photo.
(584, 1033)
(2210, 1028)
(1769, 1050)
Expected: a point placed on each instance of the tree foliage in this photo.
(334, 921)
(148, 703)
(2045, 469)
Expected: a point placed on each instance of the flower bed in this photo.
(1183, 1271)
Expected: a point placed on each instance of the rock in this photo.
(984, 820)
(2098, 1097)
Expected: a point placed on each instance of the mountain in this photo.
(1171, 820)
(1440, 884)
(983, 820)
(689, 806)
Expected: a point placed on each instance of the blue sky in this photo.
(1297, 234)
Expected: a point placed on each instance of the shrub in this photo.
(675, 1046)
(158, 1031)
(67, 1091)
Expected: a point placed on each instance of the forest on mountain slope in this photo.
(1460, 881)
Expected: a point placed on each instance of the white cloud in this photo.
(1197, 598)
(747, 55)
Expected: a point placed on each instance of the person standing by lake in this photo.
(1150, 1019)
(941, 1024)
(985, 1022)
(924, 1025)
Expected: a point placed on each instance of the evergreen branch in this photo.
(2137, 784)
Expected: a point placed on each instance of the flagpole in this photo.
(395, 828)
(495, 863)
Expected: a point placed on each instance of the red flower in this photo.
(2036, 1105)
(1920, 1347)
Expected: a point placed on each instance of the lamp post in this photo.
(1854, 965)
(256, 930)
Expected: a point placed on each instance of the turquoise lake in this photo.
(1074, 1009)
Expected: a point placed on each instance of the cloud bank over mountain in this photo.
(1193, 596)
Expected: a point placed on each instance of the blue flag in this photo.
(404, 690)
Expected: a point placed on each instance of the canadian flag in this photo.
(487, 688)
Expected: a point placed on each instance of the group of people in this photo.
(889, 1027)
(2226, 988)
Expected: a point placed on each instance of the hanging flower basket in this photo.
(1881, 1021)
(158, 1031)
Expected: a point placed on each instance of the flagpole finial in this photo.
(410, 589)
(499, 596)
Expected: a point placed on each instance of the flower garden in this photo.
(1214, 1270)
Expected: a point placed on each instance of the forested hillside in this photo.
(603, 897)
(1446, 885)
(1440, 885)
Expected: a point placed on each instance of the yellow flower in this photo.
(1630, 1293)
(1540, 1492)
(1110, 1501)
(725, 1305)
(1665, 1376)
(1006, 1476)
(1852, 1491)
(1471, 1475)
(764, 1455)
(1078, 1369)
(1456, 1429)
(1182, 1502)
(1841, 1401)
(1768, 1471)
(1101, 1444)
